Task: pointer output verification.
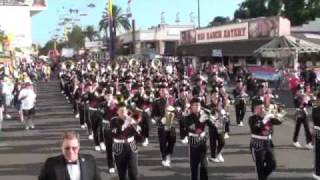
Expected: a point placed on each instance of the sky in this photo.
(146, 13)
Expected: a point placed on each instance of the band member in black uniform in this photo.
(200, 90)
(217, 128)
(240, 94)
(76, 94)
(196, 123)
(182, 106)
(301, 102)
(110, 111)
(166, 134)
(141, 106)
(261, 146)
(226, 107)
(83, 111)
(124, 128)
(96, 97)
(316, 134)
(257, 97)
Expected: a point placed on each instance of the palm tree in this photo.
(120, 20)
(90, 33)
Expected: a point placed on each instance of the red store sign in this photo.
(223, 33)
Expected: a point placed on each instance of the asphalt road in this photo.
(23, 152)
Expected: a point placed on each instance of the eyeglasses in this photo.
(68, 148)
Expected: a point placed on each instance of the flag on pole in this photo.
(110, 8)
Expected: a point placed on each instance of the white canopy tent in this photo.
(286, 46)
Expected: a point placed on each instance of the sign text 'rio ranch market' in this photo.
(223, 33)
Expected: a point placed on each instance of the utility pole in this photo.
(133, 36)
(198, 13)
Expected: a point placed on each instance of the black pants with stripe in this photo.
(96, 127)
(240, 112)
(108, 142)
(198, 157)
(167, 140)
(216, 138)
(126, 160)
(317, 152)
(263, 156)
(302, 121)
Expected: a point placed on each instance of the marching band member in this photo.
(124, 128)
(183, 107)
(260, 96)
(195, 124)
(261, 146)
(141, 103)
(166, 134)
(226, 107)
(110, 111)
(83, 92)
(76, 96)
(95, 98)
(301, 102)
(239, 93)
(200, 90)
(316, 136)
(217, 128)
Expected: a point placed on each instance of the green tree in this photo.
(76, 38)
(219, 20)
(297, 11)
(251, 9)
(45, 49)
(120, 20)
(90, 32)
(274, 7)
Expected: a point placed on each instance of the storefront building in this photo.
(161, 40)
(232, 43)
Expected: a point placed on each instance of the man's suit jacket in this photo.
(55, 168)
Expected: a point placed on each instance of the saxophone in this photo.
(169, 119)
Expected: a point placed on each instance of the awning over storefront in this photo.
(285, 46)
(231, 48)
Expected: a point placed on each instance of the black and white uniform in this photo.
(124, 147)
(110, 111)
(195, 124)
(167, 135)
(261, 145)
(182, 107)
(95, 119)
(217, 129)
(301, 119)
(141, 105)
(316, 129)
(240, 104)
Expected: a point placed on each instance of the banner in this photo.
(263, 73)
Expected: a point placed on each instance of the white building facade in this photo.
(160, 40)
(15, 21)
